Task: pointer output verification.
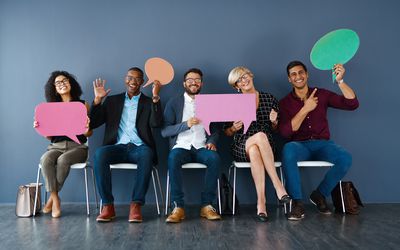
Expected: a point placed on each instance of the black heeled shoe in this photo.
(262, 217)
(284, 199)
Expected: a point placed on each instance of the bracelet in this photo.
(341, 81)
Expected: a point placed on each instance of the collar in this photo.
(188, 98)
(295, 96)
(135, 98)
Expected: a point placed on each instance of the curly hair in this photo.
(50, 89)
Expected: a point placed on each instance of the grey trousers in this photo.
(56, 162)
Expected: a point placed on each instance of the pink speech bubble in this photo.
(158, 69)
(226, 107)
(61, 118)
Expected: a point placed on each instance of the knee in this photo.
(174, 159)
(261, 137)
(213, 159)
(344, 161)
(253, 151)
(146, 154)
(47, 162)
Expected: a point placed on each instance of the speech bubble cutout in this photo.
(338, 46)
(61, 118)
(225, 107)
(158, 69)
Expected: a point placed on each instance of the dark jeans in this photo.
(319, 150)
(177, 157)
(123, 153)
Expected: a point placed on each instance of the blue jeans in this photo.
(123, 153)
(319, 150)
(177, 157)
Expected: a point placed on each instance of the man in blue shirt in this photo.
(128, 138)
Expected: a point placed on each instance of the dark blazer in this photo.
(173, 124)
(149, 115)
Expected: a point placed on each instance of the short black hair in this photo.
(193, 70)
(137, 70)
(294, 64)
(50, 89)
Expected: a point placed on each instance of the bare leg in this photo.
(258, 173)
(261, 140)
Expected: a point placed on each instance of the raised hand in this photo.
(156, 88)
(339, 72)
(311, 102)
(99, 91)
(273, 116)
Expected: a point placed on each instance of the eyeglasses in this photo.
(134, 79)
(243, 78)
(193, 80)
(65, 81)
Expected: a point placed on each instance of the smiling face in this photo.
(62, 85)
(133, 81)
(193, 83)
(298, 77)
(245, 83)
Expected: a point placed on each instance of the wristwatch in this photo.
(156, 98)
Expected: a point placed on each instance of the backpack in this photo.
(351, 198)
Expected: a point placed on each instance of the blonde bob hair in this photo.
(236, 73)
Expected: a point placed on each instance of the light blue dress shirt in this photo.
(127, 132)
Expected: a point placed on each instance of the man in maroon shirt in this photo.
(303, 114)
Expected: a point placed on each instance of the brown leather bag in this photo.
(351, 198)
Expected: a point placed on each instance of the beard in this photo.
(190, 92)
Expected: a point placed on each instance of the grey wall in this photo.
(104, 38)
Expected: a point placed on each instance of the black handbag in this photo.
(226, 192)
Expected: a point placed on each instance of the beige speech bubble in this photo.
(158, 69)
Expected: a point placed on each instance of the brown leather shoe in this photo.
(209, 213)
(177, 215)
(135, 215)
(107, 213)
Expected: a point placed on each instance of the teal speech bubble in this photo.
(337, 46)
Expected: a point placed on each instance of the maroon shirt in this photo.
(315, 125)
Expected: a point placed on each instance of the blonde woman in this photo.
(256, 145)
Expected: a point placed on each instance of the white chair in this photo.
(78, 166)
(318, 164)
(235, 165)
(190, 166)
(132, 166)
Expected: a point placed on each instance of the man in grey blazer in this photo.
(129, 118)
(189, 143)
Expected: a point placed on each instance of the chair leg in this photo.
(159, 186)
(219, 197)
(167, 195)
(341, 197)
(37, 189)
(94, 188)
(234, 190)
(155, 191)
(86, 191)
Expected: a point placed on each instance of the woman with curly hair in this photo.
(62, 151)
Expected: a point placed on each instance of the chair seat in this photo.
(247, 164)
(193, 165)
(79, 165)
(314, 164)
(123, 166)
